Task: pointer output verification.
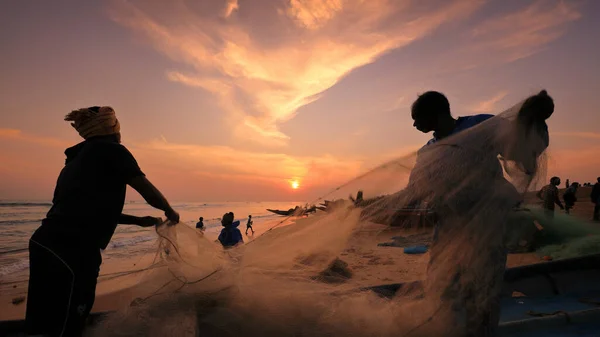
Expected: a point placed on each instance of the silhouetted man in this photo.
(463, 179)
(64, 252)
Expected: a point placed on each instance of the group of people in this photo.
(230, 234)
(550, 197)
(90, 193)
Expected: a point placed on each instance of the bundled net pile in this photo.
(270, 287)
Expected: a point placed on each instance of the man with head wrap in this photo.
(64, 252)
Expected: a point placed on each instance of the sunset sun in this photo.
(295, 184)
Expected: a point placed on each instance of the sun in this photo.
(295, 184)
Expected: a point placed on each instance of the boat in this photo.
(556, 298)
(297, 211)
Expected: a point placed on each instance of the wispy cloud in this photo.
(176, 165)
(230, 7)
(489, 105)
(20, 136)
(263, 65)
(588, 135)
(508, 37)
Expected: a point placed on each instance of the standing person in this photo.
(200, 224)
(567, 184)
(570, 197)
(64, 252)
(549, 195)
(249, 225)
(461, 178)
(595, 195)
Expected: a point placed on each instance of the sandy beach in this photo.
(370, 263)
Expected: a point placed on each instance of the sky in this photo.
(236, 99)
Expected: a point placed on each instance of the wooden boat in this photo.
(557, 298)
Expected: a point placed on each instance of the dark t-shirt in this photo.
(90, 191)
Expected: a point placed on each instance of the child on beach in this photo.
(200, 224)
(230, 234)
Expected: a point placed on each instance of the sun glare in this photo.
(295, 184)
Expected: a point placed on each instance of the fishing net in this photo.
(273, 285)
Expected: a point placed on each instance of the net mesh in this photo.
(270, 286)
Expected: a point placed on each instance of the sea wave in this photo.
(132, 241)
(25, 204)
(14, 267)
(19, 221)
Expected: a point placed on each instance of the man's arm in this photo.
(153, 196)
(557, 199)
(147, 221)
(539, 194)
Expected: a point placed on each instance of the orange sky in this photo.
(231, 100)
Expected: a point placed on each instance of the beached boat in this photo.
(297, 211)
(557, 298)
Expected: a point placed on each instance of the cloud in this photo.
(489, 105)
(313, 14)
(20, 136)
(508, 37)
(274, 167)
(587, 135)
(185, 170)
(279, 56)
(230, 7)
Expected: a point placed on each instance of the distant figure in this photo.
(596, 200)
(230, 234)
(200, 224)
(570, 197)
(567, 183)
(249, 225)
(549, 194)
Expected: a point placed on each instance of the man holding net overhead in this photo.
(459, 173)
(64, 252)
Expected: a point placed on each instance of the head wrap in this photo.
(94, 121)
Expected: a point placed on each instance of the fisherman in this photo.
(570, 197)
(200, 224)
(64, 252)
(230, 234)
(595, 196)
(466, 270)
(549, 195)
(249, 225)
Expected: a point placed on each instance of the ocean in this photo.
(19, 219)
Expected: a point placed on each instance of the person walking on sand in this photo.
(595, 196)
(200, 224)
(249, 225)
(570, 197)
(64, 252)
(549, 195)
